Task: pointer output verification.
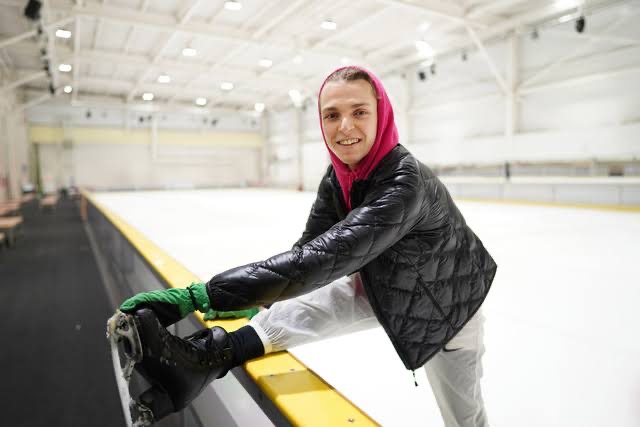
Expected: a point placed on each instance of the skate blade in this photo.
(121, 329)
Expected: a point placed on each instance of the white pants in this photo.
(342, 307)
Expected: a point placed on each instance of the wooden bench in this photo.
(10, 226)
(27, 197)
(49, 202)
(11, 207)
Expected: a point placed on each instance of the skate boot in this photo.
(178, 369)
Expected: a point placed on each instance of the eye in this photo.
(360, 113)
(330, 116)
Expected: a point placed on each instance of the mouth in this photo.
(348, 142)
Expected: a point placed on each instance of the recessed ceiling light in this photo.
(201, 101)
(68, 89)
(424, 27)
(298, 59)
(226, 86)
(345, 60)
(147, 96)
(232, 5)
(189, 51)
(328, 25)
(163, 78)
(65, 68)
(296, 97)
(266, 63)
(424, 48)
(259, 106)
(63, 34)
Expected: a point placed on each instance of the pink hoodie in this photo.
(386, 140)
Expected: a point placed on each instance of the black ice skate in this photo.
(178, 369)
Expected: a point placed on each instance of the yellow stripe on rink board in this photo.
(616, 208)
(302, 397)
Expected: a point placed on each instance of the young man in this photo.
(384, 244)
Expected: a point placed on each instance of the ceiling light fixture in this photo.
(147, 96)
(65, 68)
(345, 60)
(226, 85)
(189, 51)
(296, 97)
(266, 63)
(328, 24)
(259, 107)
(63, 34)
(67, 89)
(232, 5)
(424, 49)
(298, 59)
(201, 101)
(424, 27)
(163, 78)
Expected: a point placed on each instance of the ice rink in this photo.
(561, 318)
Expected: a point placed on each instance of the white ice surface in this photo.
(562, 331)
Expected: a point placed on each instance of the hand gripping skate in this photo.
(121, 329)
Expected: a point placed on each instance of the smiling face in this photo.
(349, 114)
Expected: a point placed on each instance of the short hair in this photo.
(349, 74)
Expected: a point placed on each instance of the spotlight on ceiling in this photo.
(232, 5)
(580, 24)
(328, 24)
(164, 78)
(201, 101)
(65, 68)
(226, 85)
(147, 96)
(63, 34)
(259, 107)
(68, 89)
(32, 10)
(189, 51)
(266, 63)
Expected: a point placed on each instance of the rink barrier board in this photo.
(614, 208)
(295, 391)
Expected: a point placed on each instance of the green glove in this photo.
(170, 305)
(213, 314)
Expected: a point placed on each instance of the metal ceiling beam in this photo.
(444, 9)
(573, 54)
(34, 75)
(166, 23)
(500, 28)
(48, 27)
(492, 66)
(593, 36)
(76, 59)
(184, 17)
(243, 45)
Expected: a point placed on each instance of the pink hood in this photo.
(386, 140)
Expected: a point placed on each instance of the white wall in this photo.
(14, 147)
(586, 108)
(111, 148)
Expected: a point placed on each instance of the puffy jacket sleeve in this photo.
(388, 212)
(323, 212)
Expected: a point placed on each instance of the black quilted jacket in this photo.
(424, 271)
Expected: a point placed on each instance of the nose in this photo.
(346, 124)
